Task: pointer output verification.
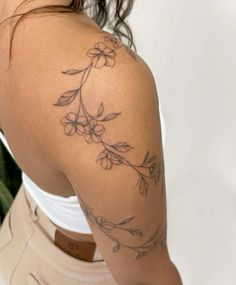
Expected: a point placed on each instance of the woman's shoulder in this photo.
(61, 41)
(61, 69)
(54, 53)
(62, 36)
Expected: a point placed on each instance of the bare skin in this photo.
(120, 147)
(42, 172)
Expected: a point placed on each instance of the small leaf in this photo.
(136, 232)
(116, 247)
(151, 159)
(108, 225)
(143, 191)
(67, 97)
(146, 157)
(154, 235)
(100, 110)
(141, 254)
(101, 155)
(100, 220)
(122, 147)
(72, 71)
(116, 159)
(139, 177)
(126, 221)
(111, 116)
(143, 186)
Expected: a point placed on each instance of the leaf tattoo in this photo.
(156, 239)
(92, 128)
(67, 97)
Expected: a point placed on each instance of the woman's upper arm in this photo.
(101, 126)
(111, 152)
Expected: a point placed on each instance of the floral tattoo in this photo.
(92, 127)
(155, 240)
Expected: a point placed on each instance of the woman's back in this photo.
(39, 52)
(80, 112)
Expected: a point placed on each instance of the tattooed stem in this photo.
(84, 110)
(103, 54)
(135, 168)
(153, 242)
(125, 160)
(156, 239)
(82, 82)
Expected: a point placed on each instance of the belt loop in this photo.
(34, 214)
(31, 204)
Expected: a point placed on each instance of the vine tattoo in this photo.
(91, 127)
(155, 240)
(81, 122)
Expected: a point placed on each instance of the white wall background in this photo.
(190, 47)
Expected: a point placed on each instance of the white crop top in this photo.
(63, 211)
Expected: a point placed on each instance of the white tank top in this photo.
(63, 211)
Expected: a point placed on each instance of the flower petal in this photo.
(64, 121)
(101, 155)
(98, 61)
(106, 163)
(109, 52)
(69, 130)
(80, 129)
(82, 120)
(88, 138)
(101, 46)
(99, 130)
(71, 116)
(93, 52)
(112, 41)
(87, 129)
(110, 62)
(93, 123)
(96, 139)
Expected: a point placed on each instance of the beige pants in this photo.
(28, 255)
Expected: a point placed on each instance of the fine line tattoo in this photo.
(91, 127)
(155, 240)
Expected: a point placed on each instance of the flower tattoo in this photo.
(101, 55)
(93, 132)
(157, 239)
(91, 127)
(73, 124)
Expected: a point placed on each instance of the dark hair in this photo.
(99, 11)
